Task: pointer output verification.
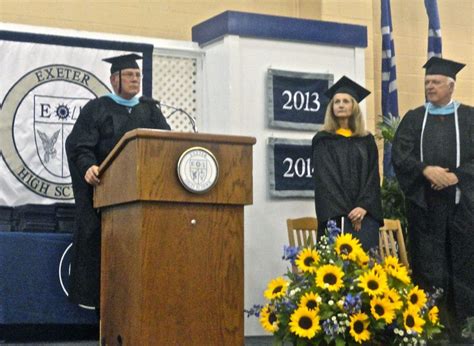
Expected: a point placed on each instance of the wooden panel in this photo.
(121, 271)
(143, 167)
(184, 280)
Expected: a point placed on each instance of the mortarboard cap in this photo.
(348, 86)
(442, 66)
(122, 62)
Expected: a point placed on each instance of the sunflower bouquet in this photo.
(337, 294)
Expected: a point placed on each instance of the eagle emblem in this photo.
(48, 145)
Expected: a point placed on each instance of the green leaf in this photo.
(340, 341)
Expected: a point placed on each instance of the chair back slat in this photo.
(391, 241)
(302, 232)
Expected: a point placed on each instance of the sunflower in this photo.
(433, 314)
(276, 288)
(401, 274)
(373, 284)
(347, 247)
(416, 297)
(381, 308)
(391, 264)
(377, 269)
(329, 277)
(362, 258)
(412, 321)
(268, 319)
(307, 259)
(304, 322)
(358, 327)
(394, 298)
(310, 300)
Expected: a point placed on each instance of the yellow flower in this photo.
(329, 277)
(394, 298)
(379, 270)
(433, 314)
(416, 297)
(373, 284)
(304, 323)
(358, 327)
(391, 264)
(310, 300)
(362, 258)
(381, 308)
(268, 319)
(307, 259)
(412, 321)
(401, 274)
(347, 247)
(276, 288)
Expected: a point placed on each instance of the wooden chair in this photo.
(391, 241)
(302, 231)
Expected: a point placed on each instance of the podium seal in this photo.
(198, 170)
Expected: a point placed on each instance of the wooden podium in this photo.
(172, 260)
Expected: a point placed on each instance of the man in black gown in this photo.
(100, 125)
(433, 157)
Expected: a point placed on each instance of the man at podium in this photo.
(100, 125)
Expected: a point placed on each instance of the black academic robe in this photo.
(100, 125)
(440, 232)
(346, 176)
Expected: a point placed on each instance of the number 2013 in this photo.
(309, 102)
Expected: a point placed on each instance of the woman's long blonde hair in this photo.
(356, 121)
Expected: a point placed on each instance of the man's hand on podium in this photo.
(92, 175)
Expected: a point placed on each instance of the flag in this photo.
(434, 29)
(389, 81)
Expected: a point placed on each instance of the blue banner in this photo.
(296, 100)
(34, 271)
(291, 168)
(389, 81)
(435, 46)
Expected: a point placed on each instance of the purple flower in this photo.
(352, 303)
(254, 310)
(332, 230)
(290, 253)
(330, 327)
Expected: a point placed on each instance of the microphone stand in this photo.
(175, 110)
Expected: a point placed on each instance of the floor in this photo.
(249, 341)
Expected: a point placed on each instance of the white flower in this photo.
(294, 291)
(405, 339)
(334, 318)
(331, 302)
(318, 299)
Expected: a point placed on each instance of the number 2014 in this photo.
(309, 102)
(300, 167)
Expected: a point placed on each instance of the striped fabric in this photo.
(389, 71)
(389, 83)
(434, 29)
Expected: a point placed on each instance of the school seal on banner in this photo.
(198, 170)
(37, 115)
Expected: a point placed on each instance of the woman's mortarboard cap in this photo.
(348, 86)
(442, 66)
(122, 62)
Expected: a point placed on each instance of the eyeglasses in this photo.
(131, 75)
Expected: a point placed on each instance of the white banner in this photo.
(46, 80)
